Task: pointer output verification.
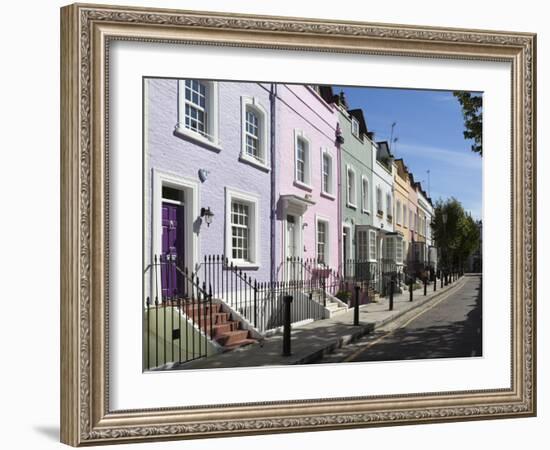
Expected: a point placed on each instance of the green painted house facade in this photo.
(357, 191)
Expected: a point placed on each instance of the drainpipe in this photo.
(273, 217)
(338, 141)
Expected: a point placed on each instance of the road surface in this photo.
(448, 328)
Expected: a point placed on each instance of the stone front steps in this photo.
(226, 331)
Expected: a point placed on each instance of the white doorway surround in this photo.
(293, 209)
(153, 227)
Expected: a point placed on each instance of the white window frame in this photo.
(253, 203)
(351, 202)
(253, 104)
(389, 244)
(389, 206)
(365, 192)
(355, 127)
(330, 193)
(361, 246)
(299, 135)
(399, 250)
(326, 222)
(411, 220)
(398, 212)
(379, 202)
(405, 215)
(372, 246)
(211, 138)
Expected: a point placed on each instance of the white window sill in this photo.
(199, 138)
(351, 205)
(243, 264)
(243, 157)
(328, 195)
(302, 185)
(366, 211)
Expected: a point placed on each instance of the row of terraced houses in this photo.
(272, 183)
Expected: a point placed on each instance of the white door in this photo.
(292, 247)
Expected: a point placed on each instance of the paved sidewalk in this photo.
(315, 339)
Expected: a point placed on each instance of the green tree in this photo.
(472, 111)
(455, 232)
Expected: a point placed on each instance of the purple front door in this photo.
(172, 249)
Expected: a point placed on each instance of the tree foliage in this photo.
(457, 236)
(473, 118)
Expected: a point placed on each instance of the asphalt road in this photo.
(451, 328)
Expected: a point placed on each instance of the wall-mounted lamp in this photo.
(203, 175)
(207, 214)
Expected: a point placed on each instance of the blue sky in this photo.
(429, 127)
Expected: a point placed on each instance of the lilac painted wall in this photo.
(300, 108)
(183, 157)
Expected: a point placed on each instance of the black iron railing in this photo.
(232, 285)
(178, 315)
(312, 275)
(260, 303)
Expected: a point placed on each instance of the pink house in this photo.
(308, 222)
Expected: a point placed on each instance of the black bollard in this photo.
(435, 284)
(287, 300)
(411, 290)
(441, 279)
(356, 309)
(425, 286)
(392, 286)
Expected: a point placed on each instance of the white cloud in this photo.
(465, 159)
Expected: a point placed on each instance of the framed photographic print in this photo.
(285, 224)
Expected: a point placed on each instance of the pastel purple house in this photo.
(207, 173)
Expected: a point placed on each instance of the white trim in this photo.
(212, 139)
(398, 211)
(254, 104)
(299, 134)
(254, 220)
(331, 192)
(326, 221)
(363, 179)
(381, 209)
(350, 246)
(349, 203)
(389, 207)
(372, 233)
(299, 241)
(190, 190)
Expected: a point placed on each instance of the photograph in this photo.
(294, 222)
(290, 224)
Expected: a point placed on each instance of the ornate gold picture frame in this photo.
(87, 31)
